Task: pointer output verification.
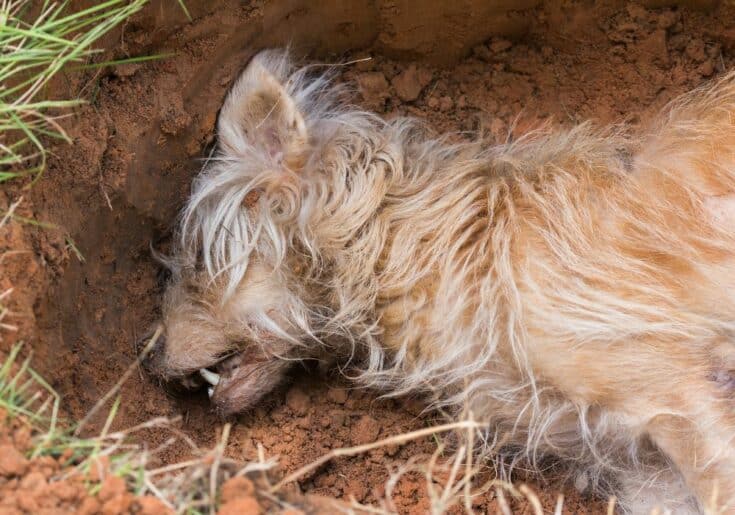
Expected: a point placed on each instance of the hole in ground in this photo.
(135, 150)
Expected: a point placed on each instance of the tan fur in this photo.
(576, 289)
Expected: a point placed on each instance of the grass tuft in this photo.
(37, 40)
(189, 487)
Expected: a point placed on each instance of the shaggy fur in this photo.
(574, 289)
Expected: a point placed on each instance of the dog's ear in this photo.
(259, 116)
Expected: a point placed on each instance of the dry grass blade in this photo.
(468, 467)
(502, 502)
(116, 387)
(532, 499)
(360, 449)
(456, 464)
(4, 312)
(218, 453)
(611, 505)
(8, 214)
(559, 508)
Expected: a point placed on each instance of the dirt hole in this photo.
(118, 188)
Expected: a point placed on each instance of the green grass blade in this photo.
(182, 4)
(34, 51)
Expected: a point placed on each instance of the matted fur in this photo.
(575, 289)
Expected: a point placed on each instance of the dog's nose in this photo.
(152, 346)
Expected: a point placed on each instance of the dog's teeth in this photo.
(210, 376)
(210, 391)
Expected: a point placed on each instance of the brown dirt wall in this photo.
(462, 66)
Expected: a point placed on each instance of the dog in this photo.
(574, 289)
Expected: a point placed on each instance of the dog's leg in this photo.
(648, 491)
(698, 435)
(677, 394)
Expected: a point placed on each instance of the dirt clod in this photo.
(149, 505)
(241, 506)
(26, 501)
(409, 83)
(99, 469)
(337, 395)
(298, 401)
(111, 488)
(117, 505)
(63, 490)
(33, 481)
(500, 45)
(12, 462)
(236, 488)
(89, 506)
(365, 430)
(374, 89)
(654, 48)
(175, 118)
(695, 50)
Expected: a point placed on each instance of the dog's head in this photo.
(234, 312)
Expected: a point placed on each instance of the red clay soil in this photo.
(117, 189)
(47, 484)
(55, 483)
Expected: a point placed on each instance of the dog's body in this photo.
(575, 289)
